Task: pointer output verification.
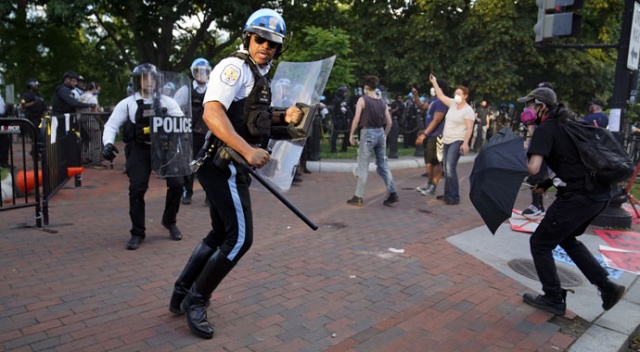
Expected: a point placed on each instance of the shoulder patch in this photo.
(230, 75)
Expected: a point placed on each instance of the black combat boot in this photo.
(552, 304)
(610, 293)
(191, 270)
(194, 304)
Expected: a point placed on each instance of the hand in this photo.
(293, 115)
(109, 152)
(352, 140)
(420, 138)
(433, 80)
(464, 149)
(258, 157)
(537, 189)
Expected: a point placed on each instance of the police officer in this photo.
(340, 118)
(134, 113)
(236, 105)
(200, 70)
(64, 100)
(78, 90)
(33, 103)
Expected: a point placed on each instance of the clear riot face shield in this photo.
(302, 84)
(201, 73)
(170, 127)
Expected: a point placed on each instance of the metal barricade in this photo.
(91, 126)
(61, 145)
(632, 145)
(19, 172)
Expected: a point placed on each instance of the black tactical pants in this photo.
(138, 167)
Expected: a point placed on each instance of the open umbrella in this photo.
(498, 172)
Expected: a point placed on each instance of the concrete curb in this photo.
(348, 165)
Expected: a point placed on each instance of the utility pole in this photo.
(625, 88)
(626, 77)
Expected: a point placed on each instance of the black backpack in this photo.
(604, 158)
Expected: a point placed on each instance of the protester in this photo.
(572, 211)
(596, 117)
(528, 120)
(373, 117)
(90, 97)
(431, 139)
(458, 127)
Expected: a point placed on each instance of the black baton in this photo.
(240, 160)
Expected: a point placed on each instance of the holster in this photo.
(129, 132)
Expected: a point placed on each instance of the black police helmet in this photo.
(32, 83)
(142, 69)
(70, 74)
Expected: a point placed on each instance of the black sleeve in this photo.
(542, 141)
(65, 94)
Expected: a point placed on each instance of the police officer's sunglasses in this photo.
(259, 40)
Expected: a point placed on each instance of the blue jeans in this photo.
(373, 142)
(450, 157)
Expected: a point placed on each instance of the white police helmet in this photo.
(268, 24)
(199, 67)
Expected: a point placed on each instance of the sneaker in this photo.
(431, 190)
(422, 190)
(533, 211)
(392, 198)
(357, 201)
(610, 293)
(186, 199)
(556, 306)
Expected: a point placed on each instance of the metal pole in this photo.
(625, 82)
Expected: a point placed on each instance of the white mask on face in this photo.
(457, 99)
(433, 92)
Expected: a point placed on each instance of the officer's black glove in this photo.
(109, 152)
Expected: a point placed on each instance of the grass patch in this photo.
(352, 150)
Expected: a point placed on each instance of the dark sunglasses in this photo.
(259, 40)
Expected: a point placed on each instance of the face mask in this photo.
(528, 116)
(457, 99)
(433, 92)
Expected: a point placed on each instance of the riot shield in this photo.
(300, 83)
(170, 126)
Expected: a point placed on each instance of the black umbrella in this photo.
(496, 177)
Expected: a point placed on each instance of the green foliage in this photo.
(317, 44)
(487, 45)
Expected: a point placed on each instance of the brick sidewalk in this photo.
(75, 287)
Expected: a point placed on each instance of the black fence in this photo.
(91, 126)
(19, 166)
(35, 163)
(632, 145)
